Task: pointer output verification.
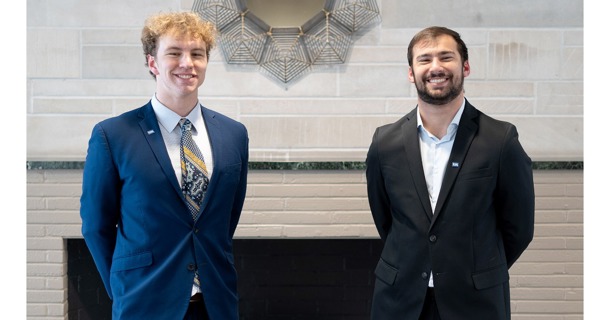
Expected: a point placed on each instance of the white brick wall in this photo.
(305, 204)
(547, 281)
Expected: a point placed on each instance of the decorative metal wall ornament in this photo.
(327, 41)
(354, 14)
(286, 54)
(243, 40)
(219, 12)
(286, 58)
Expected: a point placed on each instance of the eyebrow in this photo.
(181, 49)
(442, 53)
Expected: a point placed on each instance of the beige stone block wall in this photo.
(84, 64)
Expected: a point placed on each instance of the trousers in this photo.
(430, 309)
(196, 309)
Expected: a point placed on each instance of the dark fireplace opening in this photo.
(279, 279)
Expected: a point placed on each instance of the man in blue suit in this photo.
(161, 253)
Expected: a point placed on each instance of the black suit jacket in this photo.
(484, 219)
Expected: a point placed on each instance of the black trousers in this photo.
(430, 310)
(196, 310)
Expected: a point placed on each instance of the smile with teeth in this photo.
(436, 80)
(185, 76)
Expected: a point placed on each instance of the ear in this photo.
(411, 77)
(466, 68)
(152, 64)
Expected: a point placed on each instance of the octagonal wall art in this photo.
(260, 32)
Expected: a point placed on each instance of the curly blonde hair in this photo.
(186, 23)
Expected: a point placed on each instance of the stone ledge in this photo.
(343, 165)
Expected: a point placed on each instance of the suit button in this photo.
(191, 267)
(196, 230)
(432, 238)
(424, 275)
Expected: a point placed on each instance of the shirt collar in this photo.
(169, 119)
(454, 122)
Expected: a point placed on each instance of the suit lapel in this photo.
(150, 128)
(413, 152)
(466, 131)
(215, 137)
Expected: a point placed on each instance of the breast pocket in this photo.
(484, 173)
(229, 175)
(231, 169)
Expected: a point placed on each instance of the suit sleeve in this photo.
(240, 195)
(100, 203)
(377, 196)
(516, 199)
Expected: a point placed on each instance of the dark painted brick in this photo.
(279, 279)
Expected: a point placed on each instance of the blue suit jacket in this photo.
(138, 228)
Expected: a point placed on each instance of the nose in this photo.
(436, 64)
(186, 61)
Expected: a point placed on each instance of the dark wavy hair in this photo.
(432, 33)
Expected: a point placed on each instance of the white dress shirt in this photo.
(169, 122)
(435, 154)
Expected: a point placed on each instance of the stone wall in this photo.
(84, 64)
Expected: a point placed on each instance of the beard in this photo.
(443, 97)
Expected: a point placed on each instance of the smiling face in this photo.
(438, 71)
(179, 66)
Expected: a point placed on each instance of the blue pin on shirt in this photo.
(455, 164)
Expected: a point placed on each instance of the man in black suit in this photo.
(452, 196)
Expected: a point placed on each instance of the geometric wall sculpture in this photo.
(287, 53)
